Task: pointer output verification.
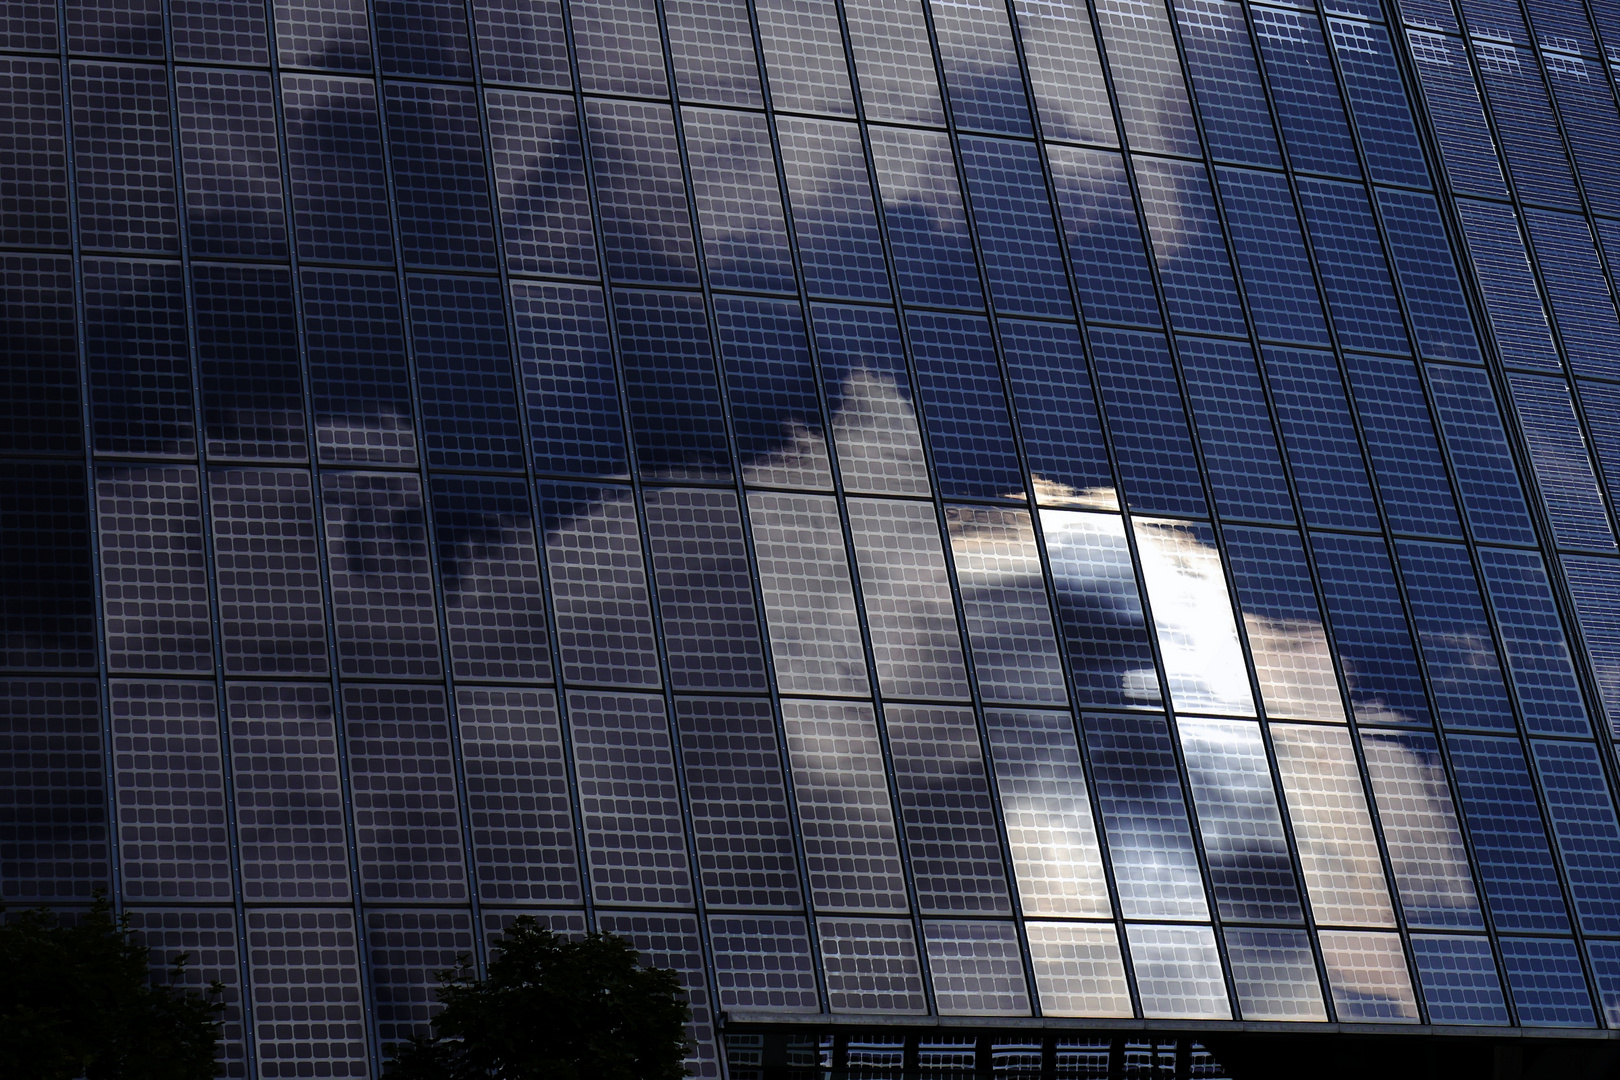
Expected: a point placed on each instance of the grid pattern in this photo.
(897, 505)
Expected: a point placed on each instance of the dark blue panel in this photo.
(738, 199)
(330, 35)
(1146, 421)
(545, 205)
(1517, 317)
(566, 357)
(1605, 956)
(1320, 439)
(676, 422)
(772, 388)
(1459, 979)
(1274, 587)
(1590, 121)
(46, 588)
(1188, 246)
(864, 343)
(218, 31)
(39, 393)
(1428, 276)
(1569, 488)
(965, 408)
(1016, 231)
(522, 42)
(1549, 989)
(1143, 815)
(1601, 403)
(1561, 24)
(124, 159)
(641, 196)
(247, 358)
(1354, 273)
(1369, 628)
(335, 169)
(423, 38)
(1237, 119)
(1533, 638)
(127, 28)
(1306, 93)
(135, 351)
(830, 196)
(1235, 431)
(464, 371)
(230, 163)
(981, 68)
(1495, 19)
(1454, 106)
(1105, 238)
(1412, 484)
(33, 136)
(1434, 14)
(1595, 583)
(439, 177)
(494, 608)
(1581, 302)
(700, 566)
(1271, 256)
(1472, 431)
(1100, 609)
(52, 766)
(1063, 439)
(359, 379)
(1458, 647)
(922, 204)
(1525, 125)
(1378, 103)
(1510, 846)
(1585, 828)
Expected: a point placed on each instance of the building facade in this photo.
(1092, 520)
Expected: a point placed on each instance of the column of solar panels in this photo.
(1524, 124)
(384, 730)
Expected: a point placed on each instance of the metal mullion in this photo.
(806, 308)
(318, 522)
(1386, 531)
(199, 461)
(88, 459)
(1434, 162)
(1048, 582)
(1495, 374)
(975, 692)
(1174, 353)
(407, 339)
(1251, 337)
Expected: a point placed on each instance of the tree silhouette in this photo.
(553, 1008)
(78, 1001)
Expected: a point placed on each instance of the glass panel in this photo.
(894, 62)
(1057, 416)
(1047, 814)
(1144, 819)
(1192, 616)
(268, 572)
(304, 968)
(629, 800)
(1459, 980)
(977, 969)
(1009, 624)
(1147, 423)
(907, 593)
(1237, 119)
(1368, 975)
(1412, 485)
(809, 602)
(1420, 830)
(1370, 631)
(1548, 987)
(1464, 673)
(713, 50)
(1292, 658)
(54, 768)
(1275, 975)
(1147, 77)
(739, 201)
(834, 217)
(539, 161)
(965, 406)
(1235, 430)
(1099, 608)
(804, 56)
(771, 385)
(1064, 71)
(1017, 235)
(407, 819)
(154, 579)
(1078, 970)
(763, 963)
(981, 66)
(1533, 638)
(951, 834)
(738, 804)
(1242, 831)
(871, 966)
(1338, 850)
(1178, 972)
(846, 820)
(922, 204)
(869, 395)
